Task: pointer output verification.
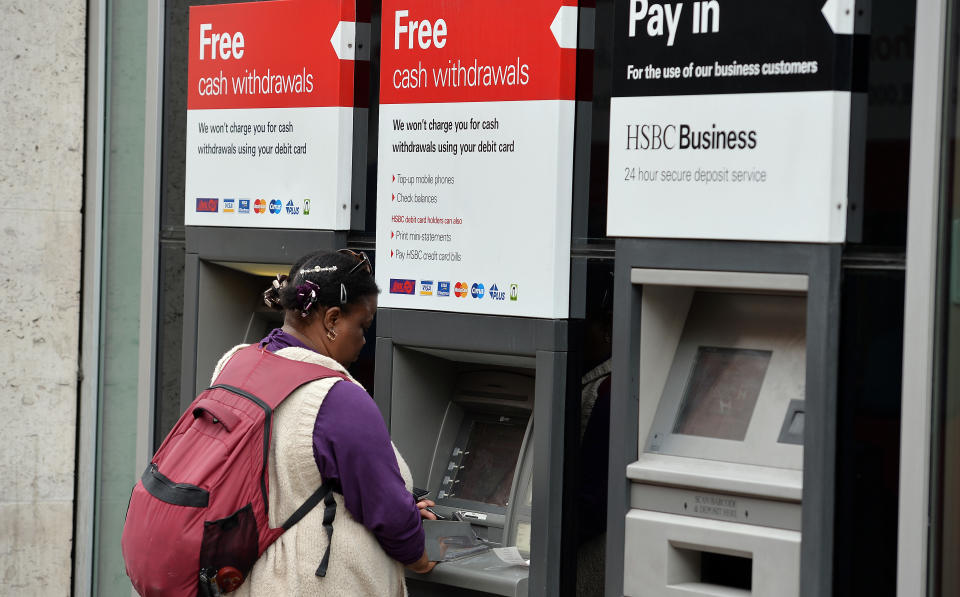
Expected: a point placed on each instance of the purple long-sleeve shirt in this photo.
(352, 448)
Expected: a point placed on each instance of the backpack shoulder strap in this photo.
(269, 377)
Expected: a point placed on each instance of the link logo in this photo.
(497, 294)
(208, 205)
(400, 286)
(476, 291)
(514, 292)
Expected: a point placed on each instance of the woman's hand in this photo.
(423, 565)
(422, 505)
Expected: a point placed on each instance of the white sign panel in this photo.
(270, 114)
(476, 157)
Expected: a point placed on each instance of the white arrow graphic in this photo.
(839, 15)
(351, 41)
(564, 27)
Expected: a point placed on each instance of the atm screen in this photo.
(488, 465)
(722, 392)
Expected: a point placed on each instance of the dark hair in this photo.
(322, 279)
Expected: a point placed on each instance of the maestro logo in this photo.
(460, 289)
(208, 205)
(229, 206)
(260, 206)
(243, 206)
(292, 209)
(476, 291)
(400, 286)
(275, 206)
(497, 294)
(443, 288)
(426, 287)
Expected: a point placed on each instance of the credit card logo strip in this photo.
(402, 286)
(207, 205)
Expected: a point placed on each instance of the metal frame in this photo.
(921, 294)
(555, 410)
(821, 264)
(85, 507)
(150, 234)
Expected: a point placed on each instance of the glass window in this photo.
(120, 289)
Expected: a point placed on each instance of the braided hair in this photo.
(322, 279)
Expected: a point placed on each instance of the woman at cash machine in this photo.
(330, 431)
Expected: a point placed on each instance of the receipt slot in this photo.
(225, 274)
(477, 405)
(730, 355)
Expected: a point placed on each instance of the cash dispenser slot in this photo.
(717, 486)
(472, 447)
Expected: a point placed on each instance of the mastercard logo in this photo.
(259, 206)
(460, 289)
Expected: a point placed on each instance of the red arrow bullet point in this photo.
(391, 234)
(392, 196)
(394, 178)
(391, 252)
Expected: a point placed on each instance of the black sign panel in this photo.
(699, 47)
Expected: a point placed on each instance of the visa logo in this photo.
(228, 206)
(426, 287)
(207, 205)
(398, 286)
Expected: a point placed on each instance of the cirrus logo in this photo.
(275, 206)
(476, 291)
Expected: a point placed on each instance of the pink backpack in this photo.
(197, 519)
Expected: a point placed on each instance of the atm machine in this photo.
(479, 412)
(724, 387)
(225, 274)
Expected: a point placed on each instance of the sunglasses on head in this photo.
(363, 262)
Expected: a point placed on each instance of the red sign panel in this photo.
(268, 55)
(437, 51)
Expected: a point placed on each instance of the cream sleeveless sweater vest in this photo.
(358, 565)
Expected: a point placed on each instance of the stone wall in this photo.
(42, 80)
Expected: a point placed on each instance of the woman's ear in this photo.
(330, 317)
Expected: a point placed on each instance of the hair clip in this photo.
(271, 296)
(306, 297)
(317, 269)
(343, 294)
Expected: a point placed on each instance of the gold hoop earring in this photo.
(331, 335)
